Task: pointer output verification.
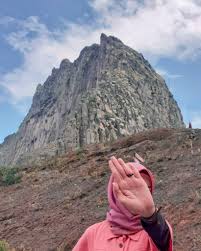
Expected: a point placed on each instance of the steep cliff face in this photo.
(109, 91)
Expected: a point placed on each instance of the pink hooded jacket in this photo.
(120, 230)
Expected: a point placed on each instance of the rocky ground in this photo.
(54, 203)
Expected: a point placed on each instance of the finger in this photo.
(119, 168)
(120, 196)
(127, 168)
(114, 171)
(135, 170)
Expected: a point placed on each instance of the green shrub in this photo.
(9, 176)
(4, 246)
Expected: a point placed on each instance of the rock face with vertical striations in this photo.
(109, 91)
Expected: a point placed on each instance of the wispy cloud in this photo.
(167, 74)
(41, 50)
(157, 28)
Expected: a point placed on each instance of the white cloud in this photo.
(101, 5)
(160, 28)
(43, 51)
(157, 28)
(167, 74)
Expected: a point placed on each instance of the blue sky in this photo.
(36, 35)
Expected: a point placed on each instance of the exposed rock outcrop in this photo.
(109, 91)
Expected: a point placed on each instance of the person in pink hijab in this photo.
(133, 221)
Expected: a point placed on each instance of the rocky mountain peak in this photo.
(65, 63)
(109, 91)
(104, 39)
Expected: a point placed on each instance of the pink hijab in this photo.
(120, 219)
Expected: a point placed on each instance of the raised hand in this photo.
(132, 192)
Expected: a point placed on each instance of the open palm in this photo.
(133, 191)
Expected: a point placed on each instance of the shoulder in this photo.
(99, 226)
(95, 231)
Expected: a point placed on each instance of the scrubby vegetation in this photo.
(9, 176)
(4, 246)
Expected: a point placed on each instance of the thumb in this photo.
(118, 191)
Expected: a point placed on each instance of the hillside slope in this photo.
(56, 202)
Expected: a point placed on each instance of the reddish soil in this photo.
(56, 202)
